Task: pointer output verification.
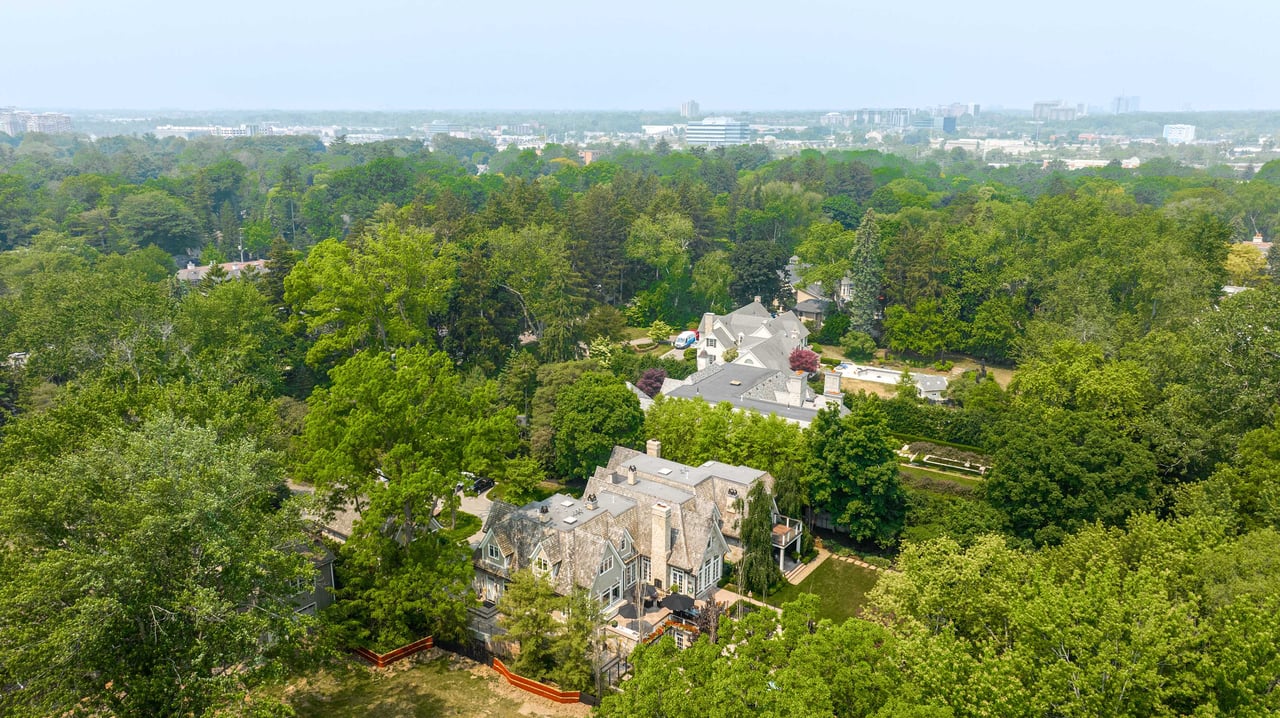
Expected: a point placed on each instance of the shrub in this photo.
(691, 354)
(650, 382)
(730, 354)
(858, 345)
(943, 365)
(804, 360)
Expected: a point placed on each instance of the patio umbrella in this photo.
(677, 602)
(629, 610)
(644, 628)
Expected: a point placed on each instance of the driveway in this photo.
(476, 506)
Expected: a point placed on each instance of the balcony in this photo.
(785, 530)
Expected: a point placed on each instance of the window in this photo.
(644, 569)
(495, 553)
(541, 565)
(626, 544)
(711, 343)
(606, 565)
(710, 573)
(681, 579)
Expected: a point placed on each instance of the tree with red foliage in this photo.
(650, 381)
(805, 360)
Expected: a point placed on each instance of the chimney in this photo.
(653, 448)
(544, 514)
(795, 389)
(631, 475)
(590, 503)
(830, 383)
(757, 299)
(659, 543)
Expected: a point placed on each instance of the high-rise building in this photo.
(1055, 111)
(15, 122)
(690, 109)
(1179, 134)
(1125, 104)
(717, 132)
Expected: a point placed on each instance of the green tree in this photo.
(854, 473)
(141, 575)
(592, 416)
(161, 219)
(381, 290)
(405, 416)
(527, 607)
(1057, 470)
(758, 571)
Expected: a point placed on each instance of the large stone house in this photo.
(642, 520)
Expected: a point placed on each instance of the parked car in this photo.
(686, 340)
(473, 484)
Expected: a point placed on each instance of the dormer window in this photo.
(626, 544)
(541, 565)
(495, 553)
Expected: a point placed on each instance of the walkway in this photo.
(728, 598)
(476, 506)
(802, 571)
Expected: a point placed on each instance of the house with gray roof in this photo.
(761, 338)
(785, 394)
(643, 520)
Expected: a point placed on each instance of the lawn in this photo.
(909, 471)
(465, 525)
(439, 687)
(841, 586)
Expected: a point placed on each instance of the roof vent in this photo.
(664, 472)
(571, 519)
(735, 382)
(566, 503)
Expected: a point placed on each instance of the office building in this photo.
(1056, 111)
(1179, 134)
(717, 132)
(899, 118)
(690, 109)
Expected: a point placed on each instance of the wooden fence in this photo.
(382, 660)
(536, 688)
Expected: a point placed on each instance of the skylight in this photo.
(571, 519)
(566, 504)
(664, 472)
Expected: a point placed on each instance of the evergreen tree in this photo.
(758, 569)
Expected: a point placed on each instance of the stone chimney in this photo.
(653, 448)
(631, 475)
(544, 514)
(830, 383)
(659, 544)
(795, 388)
(590, 503)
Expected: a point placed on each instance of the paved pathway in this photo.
(728, 598)
(477, 506)
(801, 573)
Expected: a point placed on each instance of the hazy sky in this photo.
(602, 54)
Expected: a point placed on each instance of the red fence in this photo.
(536, 688)
(385, 659)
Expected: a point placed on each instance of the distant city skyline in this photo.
(580, 55)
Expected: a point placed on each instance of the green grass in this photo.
(540, 492)
(930, 474)
(425, 690)
(465, 525)
(841, 587)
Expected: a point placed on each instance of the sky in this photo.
(602, 55)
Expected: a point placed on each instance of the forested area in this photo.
(1121, 558)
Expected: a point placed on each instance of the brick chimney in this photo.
(659, 543)
(653, 448)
